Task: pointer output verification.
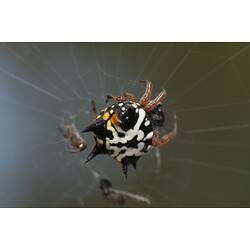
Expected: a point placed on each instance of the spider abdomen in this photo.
(137, 138)
(124, 131)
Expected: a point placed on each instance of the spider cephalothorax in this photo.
(127, 129)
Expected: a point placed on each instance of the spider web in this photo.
(208, 88)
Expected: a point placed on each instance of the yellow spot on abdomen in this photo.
(105, 116)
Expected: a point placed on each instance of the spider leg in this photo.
(129, 96)
(124, 97)
(109, 97)
(147, 95)
(93, 107)
(153, 104)
(165, 139)
(114, 98)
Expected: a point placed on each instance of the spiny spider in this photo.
(127, 129)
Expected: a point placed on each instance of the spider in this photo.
(127, 129)
(71, 134)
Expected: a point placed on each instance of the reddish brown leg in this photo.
(122, 98)
(153, 104)
(147, 95)
(115, 98)
(164, 140)
(129, 96)
(109, 97)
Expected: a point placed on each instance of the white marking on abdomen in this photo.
(132, 151)
(140, 135)
(149, 136)
(131, 133)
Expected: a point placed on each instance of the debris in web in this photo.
(115, 196)
(75, 141)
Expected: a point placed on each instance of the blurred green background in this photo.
(208, 88)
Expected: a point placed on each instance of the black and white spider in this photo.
(127, 129)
